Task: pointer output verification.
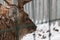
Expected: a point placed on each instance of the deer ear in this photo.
(26, 1)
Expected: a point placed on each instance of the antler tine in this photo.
(7, 2)
(10, 3)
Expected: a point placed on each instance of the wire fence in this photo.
(44, 11)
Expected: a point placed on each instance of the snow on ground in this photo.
(42, 32)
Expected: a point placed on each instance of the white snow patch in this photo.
(42, 29)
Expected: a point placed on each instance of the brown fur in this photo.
(7, 23)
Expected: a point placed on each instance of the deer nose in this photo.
(31, 27)
(34, 26)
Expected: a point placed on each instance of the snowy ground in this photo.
(42, 32)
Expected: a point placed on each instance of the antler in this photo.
(10, 3)
(20, 5)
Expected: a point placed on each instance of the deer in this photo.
(23, 21)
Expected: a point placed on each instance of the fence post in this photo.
(49, 8)
(16, 21)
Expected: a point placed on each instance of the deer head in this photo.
(23, 19)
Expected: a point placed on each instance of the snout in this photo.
(31, 27)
